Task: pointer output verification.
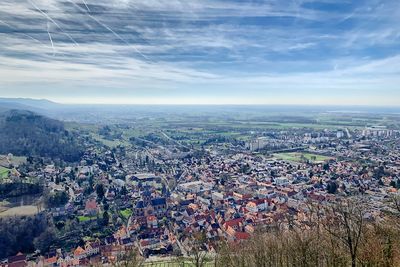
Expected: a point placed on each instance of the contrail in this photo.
(5, 23)
(84, 2)
(55, 23)
(51, 39)
(34, 39)
(112, 31)
(21, 33)
(119, 37)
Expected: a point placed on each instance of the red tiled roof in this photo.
(242, 235)
(144, 243)
(91, 205)
(51, 260)
(78, 251)
(151, 218)
(234, 222)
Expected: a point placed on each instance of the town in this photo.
(199, 133)
(160, 195)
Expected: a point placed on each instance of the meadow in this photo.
(301, 157)
(4, 173)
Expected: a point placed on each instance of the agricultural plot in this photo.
(19, 206)
(301, 157)
(18, 211)
(4, 173)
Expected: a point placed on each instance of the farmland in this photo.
(301, 157)
(18, 211)
(4, 173)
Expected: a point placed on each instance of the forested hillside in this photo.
(25, 234)
(25, 133)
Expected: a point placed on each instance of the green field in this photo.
(4, 172)
(86, 218)
(301, 157)
(126, 213)
(109, 143)
(171, 263)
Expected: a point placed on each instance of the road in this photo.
(173, 140)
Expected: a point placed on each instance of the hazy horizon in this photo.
(42, 104)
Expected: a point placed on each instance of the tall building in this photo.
(257, 144)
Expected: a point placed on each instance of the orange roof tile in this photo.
(78, 251)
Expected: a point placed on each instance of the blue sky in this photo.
(327, 52)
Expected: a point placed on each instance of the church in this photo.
(148, 205)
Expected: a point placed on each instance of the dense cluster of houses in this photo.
(218, 196)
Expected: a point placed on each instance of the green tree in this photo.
(100, 191)
(332, 187)
(123, 191)
(44, 241)
(56, 199)
(106, 218)
(326, 167)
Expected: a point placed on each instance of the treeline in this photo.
(19, 189)
(56, 199)
(25, 133)
(343, 234)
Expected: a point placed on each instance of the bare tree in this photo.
(345, 221)
(227, 255)
(198, 253)
(337, 234)
(129, 259)
(396, 202)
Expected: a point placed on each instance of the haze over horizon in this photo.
(301, 52)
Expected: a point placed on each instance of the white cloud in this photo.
(183, 45)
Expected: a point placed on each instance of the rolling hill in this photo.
(25, 133)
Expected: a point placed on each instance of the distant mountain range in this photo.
(37, 105)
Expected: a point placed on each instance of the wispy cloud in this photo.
(199, 48)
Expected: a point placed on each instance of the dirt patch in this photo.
(19, 211)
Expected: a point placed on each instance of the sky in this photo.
(326, 52)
